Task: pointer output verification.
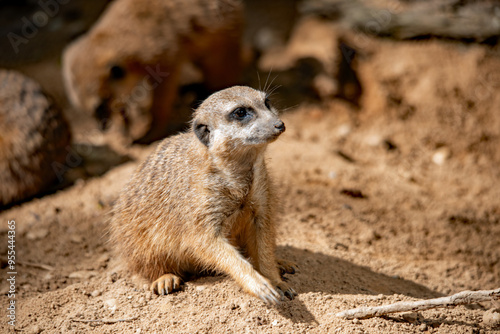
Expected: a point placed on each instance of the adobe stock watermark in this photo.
(32, 25)
(11, 271)
(140, 92)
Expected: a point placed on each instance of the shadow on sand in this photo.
(330, 275)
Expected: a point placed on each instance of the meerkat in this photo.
(203, 201)
(33, 135)
(127, 68)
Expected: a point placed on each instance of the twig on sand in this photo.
(36, 265)
(106, 321)
(461, 298)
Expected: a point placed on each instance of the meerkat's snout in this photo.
(279, 126)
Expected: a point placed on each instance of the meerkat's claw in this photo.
(286, 291)
(166, 284)
(290, 294)
(282, 295)
(269, 295)
(287, 267)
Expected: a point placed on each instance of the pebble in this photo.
(104, 258)
(37, 234)
(373, 140)
(111, 304)
(343, 130)
(148, 295)
(332, 174)
(76, 238)
(245, 306)
(422, 327)
(441, 155)
(410, 317)
(356, 321)
(368, 235)
(35, 329)
(491, 318)
(96, 293)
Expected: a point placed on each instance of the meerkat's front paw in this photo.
(286, 291)
(287, 267)
(263, 289)
(166, 284)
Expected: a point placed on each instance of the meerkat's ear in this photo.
(202, 132)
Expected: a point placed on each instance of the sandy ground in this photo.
(395, 201)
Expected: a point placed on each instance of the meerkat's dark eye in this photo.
(267, 103)
(241, 113)
(116, 72)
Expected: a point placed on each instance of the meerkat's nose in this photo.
(280, 126)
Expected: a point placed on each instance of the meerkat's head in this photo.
(101, 81)
(237, 118)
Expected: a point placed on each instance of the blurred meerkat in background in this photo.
(34, 136)
(128, 66)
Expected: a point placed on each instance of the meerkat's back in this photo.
(33, 136)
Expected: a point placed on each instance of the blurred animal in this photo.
(203, 200)
(128, 65)
(34, 136)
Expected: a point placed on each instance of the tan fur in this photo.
(204, 201)
(152, 36)
(33, 137)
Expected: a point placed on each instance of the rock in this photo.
(410, 317)
(37, 234)
(35, 329)
(422, 327)
(373, 140)
(491, 318)
(96, 293)
(103, 258)
(76, 238)
(245, 306)
(441, 155)
(368, 235)
(148, 295)
(344, 130)
(356, 321)
(111, 304)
